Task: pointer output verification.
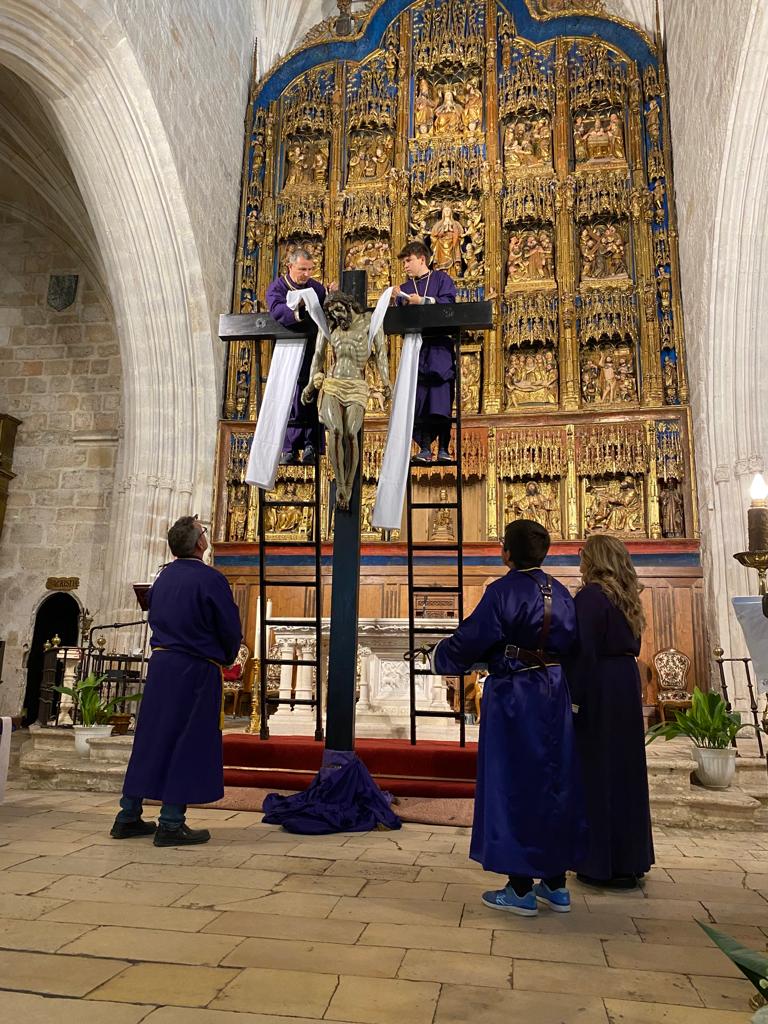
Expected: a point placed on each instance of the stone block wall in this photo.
(60, 375)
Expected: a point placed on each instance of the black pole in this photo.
(342, 648)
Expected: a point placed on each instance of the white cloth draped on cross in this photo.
(287, 356)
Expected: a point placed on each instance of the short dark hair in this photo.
(183, 536)
(526, 542)
(415, 249)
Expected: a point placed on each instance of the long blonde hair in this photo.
(606, 561)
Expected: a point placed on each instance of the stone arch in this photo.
(735, 385)
(78, 60)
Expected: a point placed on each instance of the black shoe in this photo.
(617, 882)
(308, 457)
(132, 829)
(288, 459)
(424, 458)
(444, 456)
(181, 836)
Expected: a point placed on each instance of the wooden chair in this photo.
(236, 691)
(672, 668)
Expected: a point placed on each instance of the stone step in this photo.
(707, 808)
(115, 749)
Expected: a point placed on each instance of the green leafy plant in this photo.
(708, 723)
(86, 694)
(753, 965)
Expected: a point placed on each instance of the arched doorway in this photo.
(58, 615)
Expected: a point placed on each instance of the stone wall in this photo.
(60, 375)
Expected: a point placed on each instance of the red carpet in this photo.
(428, 769)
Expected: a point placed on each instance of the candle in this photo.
(757, 515)
(257, 632)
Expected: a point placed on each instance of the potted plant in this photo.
(753, 965)
(712, 728)
(94, 712)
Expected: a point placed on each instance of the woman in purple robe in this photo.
(436, 384)
(177, 751)
(605, 684)
(528, 821)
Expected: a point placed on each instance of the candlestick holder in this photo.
(755, 560)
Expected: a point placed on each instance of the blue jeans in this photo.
(172, 816)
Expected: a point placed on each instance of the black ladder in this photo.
(259, 328)
(419, 634)
(269, 579)
(437, 319)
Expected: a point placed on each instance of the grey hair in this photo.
(183, 536)
(301, 254)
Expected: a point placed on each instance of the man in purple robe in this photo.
(177, 749)
(302, 433)
(529, 820)
(436, 384)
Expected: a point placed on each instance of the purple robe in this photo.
(436, 386)
(303, 422)
(528, 817)
(605, 683)
(177, 752)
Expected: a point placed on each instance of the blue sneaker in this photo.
(558, 900)
(507, 899)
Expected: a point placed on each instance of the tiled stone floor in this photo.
(260, 927)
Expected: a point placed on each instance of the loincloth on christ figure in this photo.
(347, 391)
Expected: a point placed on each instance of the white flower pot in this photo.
(716, 768)
(84, 733)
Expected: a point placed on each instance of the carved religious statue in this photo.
(536, 501)
(614, 506)
(370, 159)
(528, 144)
(599, 139)
(608, 375)
(447, 234)
(373, 256)
(472, 115)
(449, 116)
(470, 382)
(423, 109)
(238, 513)
(671, 507)
(603, 252)
(441, 525)
(343, 391)
(531, 378)
(529, 258)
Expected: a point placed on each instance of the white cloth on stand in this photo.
(275, 411)
(395, 466)
(5, 754)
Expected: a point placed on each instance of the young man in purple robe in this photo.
(436, 385)
(529, 820)
(302, 433)
(177, 750)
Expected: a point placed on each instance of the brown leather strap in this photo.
(546, 622)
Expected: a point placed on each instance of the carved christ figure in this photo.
(343, 391)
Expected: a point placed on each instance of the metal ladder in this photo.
(269, 578)
(418, 633)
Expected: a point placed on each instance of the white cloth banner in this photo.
(5, 754)
(267, 444)
(377, 317)
(396, 464)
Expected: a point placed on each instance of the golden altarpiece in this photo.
(527, 142)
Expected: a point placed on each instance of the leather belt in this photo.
(539, 658)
